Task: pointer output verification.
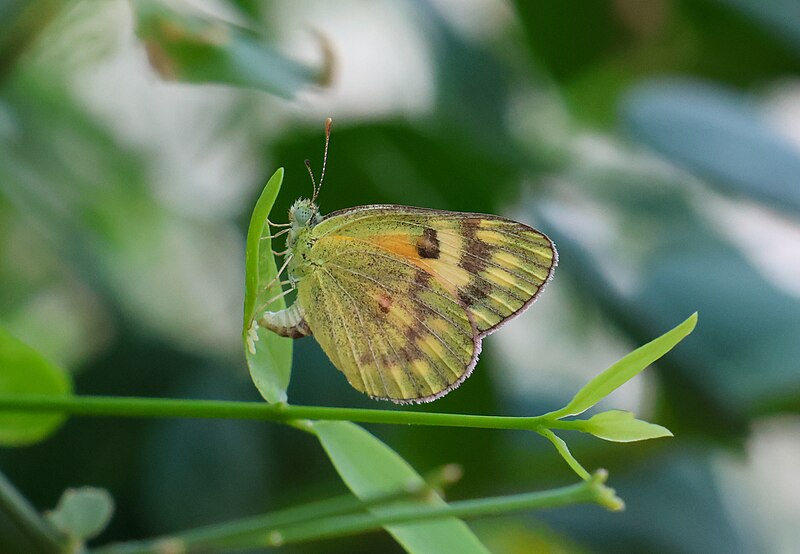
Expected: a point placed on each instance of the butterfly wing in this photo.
(494, 266)
(400, 297)
(392, 330)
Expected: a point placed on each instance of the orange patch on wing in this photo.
(402, 244)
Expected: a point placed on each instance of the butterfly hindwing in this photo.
(387, 324)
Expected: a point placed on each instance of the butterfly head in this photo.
(304, 213)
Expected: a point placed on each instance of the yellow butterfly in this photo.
(400, 298)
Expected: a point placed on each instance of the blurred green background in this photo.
(657, 142)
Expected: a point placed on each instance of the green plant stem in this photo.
(243, 533)
(157, 407)
(563, 450)
(569, 425)
(588, 492)
(274, 532)
(17, 509)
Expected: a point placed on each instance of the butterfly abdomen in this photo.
(287, 323)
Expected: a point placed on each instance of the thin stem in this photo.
(586, 492)
(563, 450)
(284, 413)
(17, 509)
(243, 533)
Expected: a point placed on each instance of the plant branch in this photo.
(272, 533)
(243, 533)
(161, 407)
(563, 450)
(27, 519)
(592, 491)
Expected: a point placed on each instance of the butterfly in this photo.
(400, 298)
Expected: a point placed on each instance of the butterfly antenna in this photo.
(328, 123)
(313, 182)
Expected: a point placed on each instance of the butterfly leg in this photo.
(276, 235)
(271, 224)
(277, 277)
(281, 295)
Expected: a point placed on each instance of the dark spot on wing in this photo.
(422, 278)
(428, 244)
(412, 333)
(476, 253)
(473, 293)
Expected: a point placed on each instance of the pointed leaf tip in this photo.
(625, 369)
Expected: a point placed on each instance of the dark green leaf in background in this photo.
(781, 17)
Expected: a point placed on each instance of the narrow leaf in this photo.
(270, 357)
(620, 426)
(625, 369)
(370, 468)
(24, 371)
(190, 48)
(82, 513)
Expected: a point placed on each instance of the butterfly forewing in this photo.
(494, 267)
(387, 324)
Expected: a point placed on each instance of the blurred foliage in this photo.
(644, 138)
(25, 371)
(82, 513)
(192, 49)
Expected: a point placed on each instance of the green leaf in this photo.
(199, 50)
(24, 371)
(271, 362)
(569, 39)
(621, 426)
(82, 513)
(625, 369)
(370, 468)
